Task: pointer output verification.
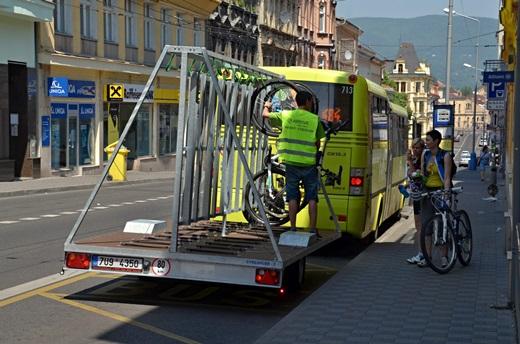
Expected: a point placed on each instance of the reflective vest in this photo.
(297, 142)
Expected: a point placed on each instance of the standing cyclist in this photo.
(436, 167)
(298, 145)
(414, 164)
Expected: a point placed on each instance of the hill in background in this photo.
(429, 36)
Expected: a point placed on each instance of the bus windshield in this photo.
(335, 101)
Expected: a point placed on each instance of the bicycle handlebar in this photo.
(332, 129)
(454, 190)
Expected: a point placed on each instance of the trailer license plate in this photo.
(117, 264)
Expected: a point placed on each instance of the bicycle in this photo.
(270, 182)
(447, 235)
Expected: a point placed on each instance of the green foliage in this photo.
(466, 91)
(388, 82)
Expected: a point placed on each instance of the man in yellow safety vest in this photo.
(298, 145)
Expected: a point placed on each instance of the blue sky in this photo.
(414, 8)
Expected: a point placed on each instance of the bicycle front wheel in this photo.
(272, 189)
(464, 237)
(438, 250)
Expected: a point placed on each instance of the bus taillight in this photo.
(356, 181)
(352, 78)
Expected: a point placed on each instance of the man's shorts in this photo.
(309, 176)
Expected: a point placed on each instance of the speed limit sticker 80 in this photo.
(161, 267)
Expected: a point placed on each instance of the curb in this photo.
(76, 187)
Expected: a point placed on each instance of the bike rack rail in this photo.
(214, 129)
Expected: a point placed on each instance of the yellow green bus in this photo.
(371, 149)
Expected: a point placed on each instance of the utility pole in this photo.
(448, 55)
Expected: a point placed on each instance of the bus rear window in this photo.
(335, 102)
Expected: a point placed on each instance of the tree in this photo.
(466, 91)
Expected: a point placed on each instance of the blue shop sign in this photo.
(46, 131)
(58, 87)
(63, 87)
(82, 89)
(87, 111)
(59, 110)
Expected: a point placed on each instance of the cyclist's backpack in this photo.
(453, 165)
(441, 161)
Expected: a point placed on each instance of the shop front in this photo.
(71, 133)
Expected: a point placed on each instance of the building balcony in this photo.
(131, 54)
(149, 57)
(88, 46)
(111, 50)
(63, 42)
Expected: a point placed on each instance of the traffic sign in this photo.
(504, 76)
(496, 89)
(496, 104)
(115, 92)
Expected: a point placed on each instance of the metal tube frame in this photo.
(104, 174)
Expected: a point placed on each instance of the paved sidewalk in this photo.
(379, 298)
(55, 184)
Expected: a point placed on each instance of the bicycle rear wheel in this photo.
(464, 238)
(281, 94)
(439, 254)
(272, 191)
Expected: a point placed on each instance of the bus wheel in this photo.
(294, 276)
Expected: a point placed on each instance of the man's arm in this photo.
(266, 110)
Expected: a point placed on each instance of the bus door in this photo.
(379, 158)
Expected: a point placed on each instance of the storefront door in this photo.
(72, 156)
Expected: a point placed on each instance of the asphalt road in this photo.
(35, 227)
(101, 308)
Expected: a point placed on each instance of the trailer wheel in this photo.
(294, 276)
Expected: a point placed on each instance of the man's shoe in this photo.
(415, 259)
(315, 232)
(293, 229)
(444, 262)
(422, 263)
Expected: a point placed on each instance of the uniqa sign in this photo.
(58, 87)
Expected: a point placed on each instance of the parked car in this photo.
(464, 158)
(482, 142)
(457, 138)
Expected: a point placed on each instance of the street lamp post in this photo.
(473, 158)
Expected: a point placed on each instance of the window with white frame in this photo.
(180, 29)
(88, 18)
(110, 20)
(130, 28)
(148, 27)
(322, 18)
(166, 27)
(197, 32)
(63, 17)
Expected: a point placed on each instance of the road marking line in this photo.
(100, 207)
(8, 222)
(118, 317)
(30, 289)
(152, 199)
(29, 218)
(163, 197)
(49, 215)
(127, 203)
(68, 212)
(321, 267)
(140, 201)
(114, 205)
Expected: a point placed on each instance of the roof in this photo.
(407, 53)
